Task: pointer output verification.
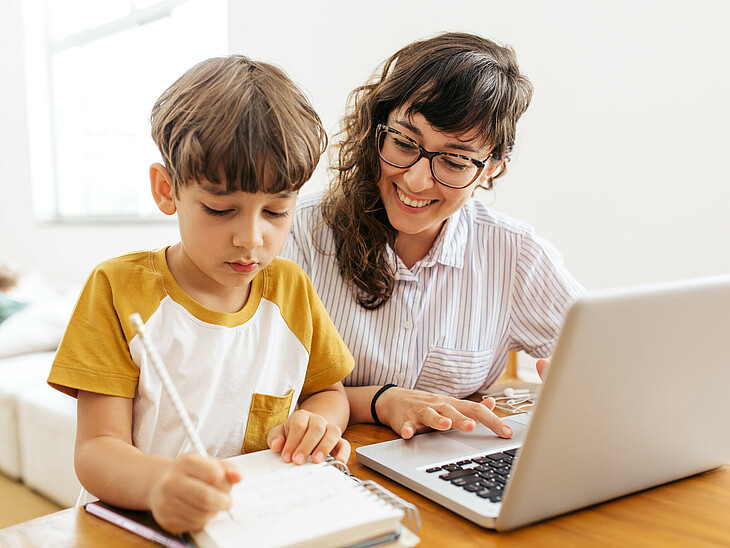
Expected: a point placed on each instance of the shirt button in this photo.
(401, 377)
(407, 325)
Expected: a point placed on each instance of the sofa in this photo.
(37, 423)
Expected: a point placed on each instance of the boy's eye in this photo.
(216, 212)
(276, 214)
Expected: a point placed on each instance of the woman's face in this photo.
(417, 204)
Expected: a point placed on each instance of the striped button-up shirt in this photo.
(488, 285)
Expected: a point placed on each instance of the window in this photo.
(106, 63)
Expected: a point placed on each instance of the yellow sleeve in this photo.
(94, 353)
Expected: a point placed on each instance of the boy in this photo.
(245, 337)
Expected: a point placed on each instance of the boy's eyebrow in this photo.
(221, 190)
(451, 144)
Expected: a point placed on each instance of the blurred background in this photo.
(621, 160)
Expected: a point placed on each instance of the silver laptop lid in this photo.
(636, 396)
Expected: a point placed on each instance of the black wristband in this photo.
(376, 420)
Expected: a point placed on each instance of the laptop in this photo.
(636, 396)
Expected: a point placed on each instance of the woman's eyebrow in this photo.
(458, 145)
(410, 127)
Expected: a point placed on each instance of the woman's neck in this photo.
(411, 248)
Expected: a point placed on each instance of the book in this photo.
(280, 504)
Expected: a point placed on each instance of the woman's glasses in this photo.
(449, 169)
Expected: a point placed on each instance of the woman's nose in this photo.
(418, 177)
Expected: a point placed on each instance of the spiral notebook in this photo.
(279, 504)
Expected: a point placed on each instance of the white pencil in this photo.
(139, 327)
(149, 346)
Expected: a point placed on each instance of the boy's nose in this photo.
(248, 236)
(419, 176)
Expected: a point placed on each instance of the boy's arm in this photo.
(183, 494)
(315, 428)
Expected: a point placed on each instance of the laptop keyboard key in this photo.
(460, 482)
(487, 479)
(459, 473)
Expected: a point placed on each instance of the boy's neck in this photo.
(202, 289)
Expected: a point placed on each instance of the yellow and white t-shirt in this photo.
(239, 375)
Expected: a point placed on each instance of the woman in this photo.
(429, 288)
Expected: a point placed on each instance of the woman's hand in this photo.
(410, 412)
(191, 490)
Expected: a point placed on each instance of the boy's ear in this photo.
(162, 189)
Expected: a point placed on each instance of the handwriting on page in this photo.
(278, 504)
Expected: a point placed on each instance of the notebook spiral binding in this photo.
(411, 518)
(341, 466)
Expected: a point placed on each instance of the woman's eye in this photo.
(454, 165)
(216, 212)
(405, 145)
(276, 214)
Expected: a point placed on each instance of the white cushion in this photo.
(37, 328)
(47, 432)
(17, 374)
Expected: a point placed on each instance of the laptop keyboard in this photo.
(484, 476)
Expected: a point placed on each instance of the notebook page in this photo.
(279, 504)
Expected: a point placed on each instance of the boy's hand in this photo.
(191, 490)
(305, 433)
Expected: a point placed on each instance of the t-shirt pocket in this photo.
(454, 371)
(266, 412)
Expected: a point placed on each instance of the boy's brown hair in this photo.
(239, 122)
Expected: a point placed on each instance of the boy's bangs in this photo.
(261, 156)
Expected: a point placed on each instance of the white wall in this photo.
(620, 160)
(64, 254)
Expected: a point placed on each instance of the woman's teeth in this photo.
(413, 203)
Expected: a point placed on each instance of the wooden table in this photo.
(692, 512)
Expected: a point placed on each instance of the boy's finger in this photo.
(296, 428)
(206, 469)
(316, 432)
(195, 496)
(276, 431)
(276, 443)
(232, 473)
(327, 444)
(341, 451)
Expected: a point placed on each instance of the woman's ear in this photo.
(162, 189)
(492, 169)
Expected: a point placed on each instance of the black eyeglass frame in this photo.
(423, 153)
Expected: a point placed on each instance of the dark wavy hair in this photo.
(460, 83)
(239, 121)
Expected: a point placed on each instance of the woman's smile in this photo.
(411, 202)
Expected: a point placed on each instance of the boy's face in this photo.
(227, 238)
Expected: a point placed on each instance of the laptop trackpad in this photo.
(482, 438)
(440, 447)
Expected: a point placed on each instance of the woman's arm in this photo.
(409, 412)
